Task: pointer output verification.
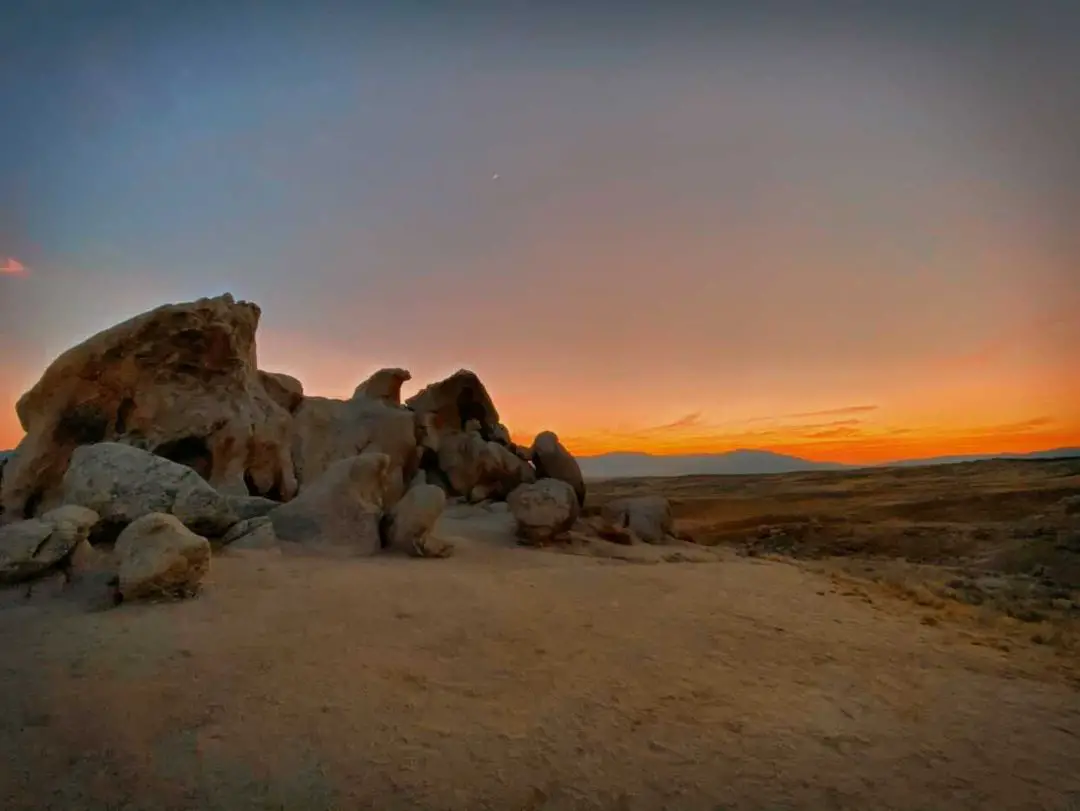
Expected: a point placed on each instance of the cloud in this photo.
(687, 421)
(828, 412)
(12, 267)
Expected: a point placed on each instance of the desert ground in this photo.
(893, 639)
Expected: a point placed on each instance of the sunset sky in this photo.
(850, 237)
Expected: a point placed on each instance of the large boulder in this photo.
(543, 510)
(180, 381)
(31, 548)
(327, 430)
(478, 469)
(446, 406)
(553, 461)
(159, 558)
(384, 385)
(122, 484)
(412, 519)
(342, 508)
(638, 518)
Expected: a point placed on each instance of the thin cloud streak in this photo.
(13, 267)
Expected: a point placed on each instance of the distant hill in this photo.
(1056, 453)
(754, 462)
(641, 465)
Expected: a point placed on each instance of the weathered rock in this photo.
(30, 548)
(341, 508)
(412, 519)
(446, 406)
(543, 510)
(245, 507)
(326, 431)
(253, 533)
(643, 518)
(122, 483)
(478, 469)
(553, 461)
(285, 390)
(384, 385)
(180, 381)
(159, 558)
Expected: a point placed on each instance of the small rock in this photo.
(553, 461)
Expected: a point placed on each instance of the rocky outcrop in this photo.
(553, 461)
(412, 519)
(30, 548)
(342, 508)
(638, 518)
(543, 510)
(384, 385)
(158, 558)
(122, 484)
(180, 381)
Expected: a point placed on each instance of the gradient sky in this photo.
(849, 236)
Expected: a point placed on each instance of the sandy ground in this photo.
(522, 679)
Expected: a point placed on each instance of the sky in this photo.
(850, 235)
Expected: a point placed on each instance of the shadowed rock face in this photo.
(449, 404)
(180, 381)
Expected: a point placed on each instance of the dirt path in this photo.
(521, 680)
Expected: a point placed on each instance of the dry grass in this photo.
(996, 544)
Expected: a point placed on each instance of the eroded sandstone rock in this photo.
(180, 381)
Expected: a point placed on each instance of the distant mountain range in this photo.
(631, 465)
(751, 462)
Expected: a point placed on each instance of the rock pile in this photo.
(159, 439)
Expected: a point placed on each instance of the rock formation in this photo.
(180, 381)
(162, 432)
